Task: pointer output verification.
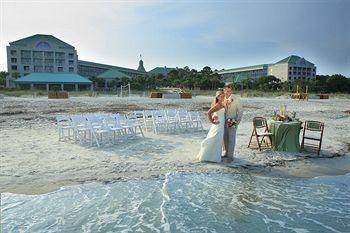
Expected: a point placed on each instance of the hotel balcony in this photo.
(26, 61)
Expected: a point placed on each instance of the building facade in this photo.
(47, 54)
(41, 53)
(290, 69)
(293, 68)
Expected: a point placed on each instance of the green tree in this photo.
(3, 75)
(267, 83)
(15, 75)
(338, 83)
(98, 82)
(285, 86)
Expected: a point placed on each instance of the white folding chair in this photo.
(64, 123)
(172, 120)
(80, 127)
(114, 126)
(128, 129)
(148, 120)
(159, 121)
(184, 120)
(196, 121)
(140, 116)
(97, 128)
(137, 126)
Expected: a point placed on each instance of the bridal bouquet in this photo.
(231, 123)
(215, 118)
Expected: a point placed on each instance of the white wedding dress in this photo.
(211, 147)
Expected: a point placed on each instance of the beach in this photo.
(33, 161)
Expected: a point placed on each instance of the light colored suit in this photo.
(235, 112)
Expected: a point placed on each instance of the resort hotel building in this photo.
(40, 61)
(288, 69)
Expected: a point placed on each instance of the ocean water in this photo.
(181, 202)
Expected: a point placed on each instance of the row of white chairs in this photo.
(97, 128)
(170, 120)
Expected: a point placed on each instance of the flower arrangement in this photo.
(231, 123)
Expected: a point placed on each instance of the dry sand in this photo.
(34, 161)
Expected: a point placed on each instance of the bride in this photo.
(211, 147)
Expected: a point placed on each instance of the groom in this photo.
(233, 116)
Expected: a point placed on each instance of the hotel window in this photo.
(290, 73)
(59, 55)
(71, 62)
(26, 54)
(13, 60)
(290, 67)
(48, 55)
(38, 68)
(37, 54)
(13, 67)
(71, 69)
(70, 55)
(60, 69)
(313, 69)
(49, 69)
(13, 52)
(26, 68)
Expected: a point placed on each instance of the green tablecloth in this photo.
(285, 135)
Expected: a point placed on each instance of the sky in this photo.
(218, 34)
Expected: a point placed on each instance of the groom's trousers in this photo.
(229, 141)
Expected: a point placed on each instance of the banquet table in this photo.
(285, 135)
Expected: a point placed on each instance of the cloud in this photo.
(220, 34)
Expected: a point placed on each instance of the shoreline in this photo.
(291, 171)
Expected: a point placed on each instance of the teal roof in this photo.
(290, 59)
(255, 67)
(113, 74)
(104, 66)
(53, 78)
(293, 59)
(161, 70)
(58, 42)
